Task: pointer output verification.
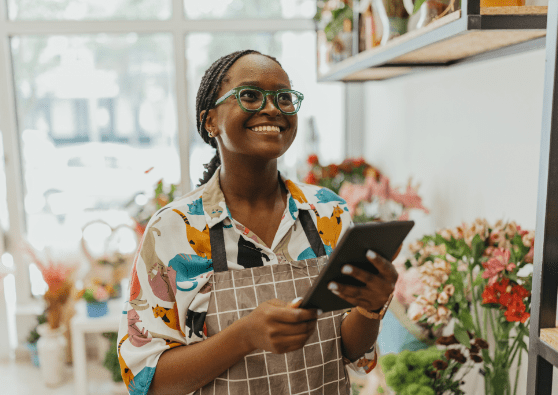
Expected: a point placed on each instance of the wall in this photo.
(469, 134)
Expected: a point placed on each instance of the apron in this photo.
(317, 368)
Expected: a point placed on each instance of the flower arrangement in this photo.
(479, 276)
(97, 292)
(60, 283)
(368, 193)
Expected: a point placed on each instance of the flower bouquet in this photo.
(368, 193)
(478, 275)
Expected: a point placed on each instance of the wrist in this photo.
(244, 334)
(375, 314)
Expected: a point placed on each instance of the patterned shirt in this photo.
(169, 290)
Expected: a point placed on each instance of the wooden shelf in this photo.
(451, 39)
(548, 345)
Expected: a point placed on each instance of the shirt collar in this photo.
(215, 208)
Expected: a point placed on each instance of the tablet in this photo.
(382, 237)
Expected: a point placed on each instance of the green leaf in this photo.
(477, 246)
(418, 3)
(461, 334)
(467, 320)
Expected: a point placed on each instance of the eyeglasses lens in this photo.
(252, 100)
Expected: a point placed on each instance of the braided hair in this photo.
(206, 97)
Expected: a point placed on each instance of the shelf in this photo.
(548, 345)
(451, 39)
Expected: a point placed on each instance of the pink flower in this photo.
(101, 294)
(354, 194)
(496, 264)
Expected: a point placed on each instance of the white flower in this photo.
(443, 298)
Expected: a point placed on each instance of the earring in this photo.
(210, 134)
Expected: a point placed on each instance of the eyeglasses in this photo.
(253, 99)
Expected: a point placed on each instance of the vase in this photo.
(97, 309)
(33, 353)
(51, 348)
(498, 382)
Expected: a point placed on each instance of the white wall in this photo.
(469, 134)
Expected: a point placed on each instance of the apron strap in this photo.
(311, 233)
(217, 240)
(218, 252)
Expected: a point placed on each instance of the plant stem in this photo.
(517, 374)
(477, 321)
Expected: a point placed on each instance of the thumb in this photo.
(296, 302)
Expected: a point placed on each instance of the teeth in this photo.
(266, 129)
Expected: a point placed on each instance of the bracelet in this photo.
(375, 315)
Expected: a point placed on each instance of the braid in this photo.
(206, 97)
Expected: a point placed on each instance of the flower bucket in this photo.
(97, 309)
(32, 347)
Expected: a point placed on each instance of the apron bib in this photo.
(317, 368)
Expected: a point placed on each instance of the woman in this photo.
(217, 268)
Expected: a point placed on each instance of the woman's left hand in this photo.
(377, 289)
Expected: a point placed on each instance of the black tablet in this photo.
(382, 237)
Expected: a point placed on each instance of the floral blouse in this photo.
(169, 290)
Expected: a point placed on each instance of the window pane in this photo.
(322, 110)
(88, 9)
(95, 112)
(241, 9)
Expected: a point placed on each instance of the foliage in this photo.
(34, 336)
(111, 357)
(479, 275)
(335, 12)
(409, 372)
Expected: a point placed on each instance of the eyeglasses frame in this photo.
(236, 91)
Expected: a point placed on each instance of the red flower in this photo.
(516, 311)
(501, 286)
(311, 179)
(358, 162)
(333, 170)
(312, 159)
(506, 299)
(489, 295)
(520, 291)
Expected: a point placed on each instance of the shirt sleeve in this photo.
(168, 299)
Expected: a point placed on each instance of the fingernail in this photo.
(335, 292)
(347, 269)
(332, 286)
(296, 300)
(371, 254)
(320, 311)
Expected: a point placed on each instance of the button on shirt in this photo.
(169, 290)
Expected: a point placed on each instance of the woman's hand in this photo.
(377, 289)
(279, 327)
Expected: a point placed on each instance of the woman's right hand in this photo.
(279, 327)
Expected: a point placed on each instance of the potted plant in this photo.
(96, 296)
(112, 364)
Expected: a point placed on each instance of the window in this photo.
(95, 112)
(97, 102)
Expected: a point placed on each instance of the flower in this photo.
(456, 355)
(101, 294)
(440, 364)
(312, 159)
(498, 263)
(447, 340)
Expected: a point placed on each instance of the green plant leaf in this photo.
(461, 335)
(467, 320)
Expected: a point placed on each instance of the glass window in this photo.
(244, 9)
(95, 112)
(322, 110)
(89, 9)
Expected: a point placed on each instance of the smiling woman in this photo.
(213, 300)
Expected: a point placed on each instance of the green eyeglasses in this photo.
(253, 99)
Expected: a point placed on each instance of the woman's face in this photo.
(244, 133)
